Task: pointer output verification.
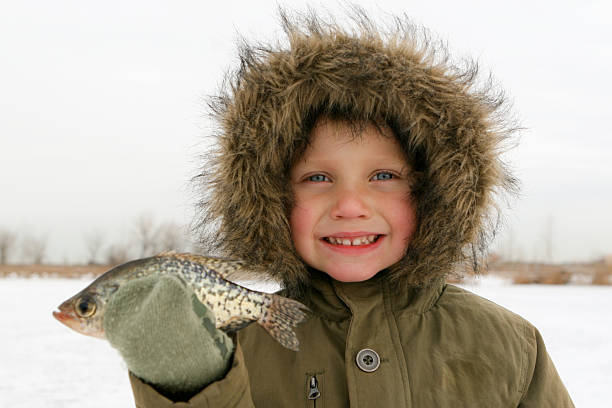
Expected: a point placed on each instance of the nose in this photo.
(350, 203)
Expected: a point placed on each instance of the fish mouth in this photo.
(67, 319)
(72, 322)
(65, 315)
(64, 312)
(61, 316)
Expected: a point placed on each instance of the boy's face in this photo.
(353, 214)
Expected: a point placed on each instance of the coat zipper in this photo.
(313, 389)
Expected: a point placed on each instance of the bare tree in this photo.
(170, 237)
(548, 237)
(508, 247)
(146, 235)
(93, 243)
(7, 243)
(116, 254)
(34, 249)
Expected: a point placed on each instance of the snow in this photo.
(43, 363)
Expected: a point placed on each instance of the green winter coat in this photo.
(437, 345)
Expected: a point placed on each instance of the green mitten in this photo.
(166, 335)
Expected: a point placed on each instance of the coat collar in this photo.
(334, 300)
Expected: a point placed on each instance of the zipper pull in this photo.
(313, 390)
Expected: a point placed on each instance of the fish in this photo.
(233, 305)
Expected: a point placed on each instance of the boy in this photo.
(358, 171)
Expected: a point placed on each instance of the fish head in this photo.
(83, 313)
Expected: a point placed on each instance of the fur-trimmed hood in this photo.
(441, 117)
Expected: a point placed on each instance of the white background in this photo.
(102, 110)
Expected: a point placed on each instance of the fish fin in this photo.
(279, 319)
(226, 268)
(167, 252)
(235, 323)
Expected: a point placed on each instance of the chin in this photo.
(351, 275)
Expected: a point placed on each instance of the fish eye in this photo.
(85, 307)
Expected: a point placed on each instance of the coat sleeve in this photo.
(543, 386)
(233, 390)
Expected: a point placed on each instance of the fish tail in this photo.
(279, 319)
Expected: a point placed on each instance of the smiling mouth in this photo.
(352, 241)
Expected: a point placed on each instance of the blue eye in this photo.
(383, 175)
(317, 178)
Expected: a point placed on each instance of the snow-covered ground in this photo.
(44, 364)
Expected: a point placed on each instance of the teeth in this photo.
(352, 242)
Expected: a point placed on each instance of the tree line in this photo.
(147, 237)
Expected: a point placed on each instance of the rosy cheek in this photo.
(409, 220)
(300, 224)
(402, 215)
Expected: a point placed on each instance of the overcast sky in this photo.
(102, 111)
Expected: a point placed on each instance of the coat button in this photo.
(367, 360)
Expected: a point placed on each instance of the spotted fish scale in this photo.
(234, 306)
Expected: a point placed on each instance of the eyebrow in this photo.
(404, 167)
(369, 158)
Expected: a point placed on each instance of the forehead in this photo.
(336, 139)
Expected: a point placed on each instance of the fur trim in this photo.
(453, 127)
